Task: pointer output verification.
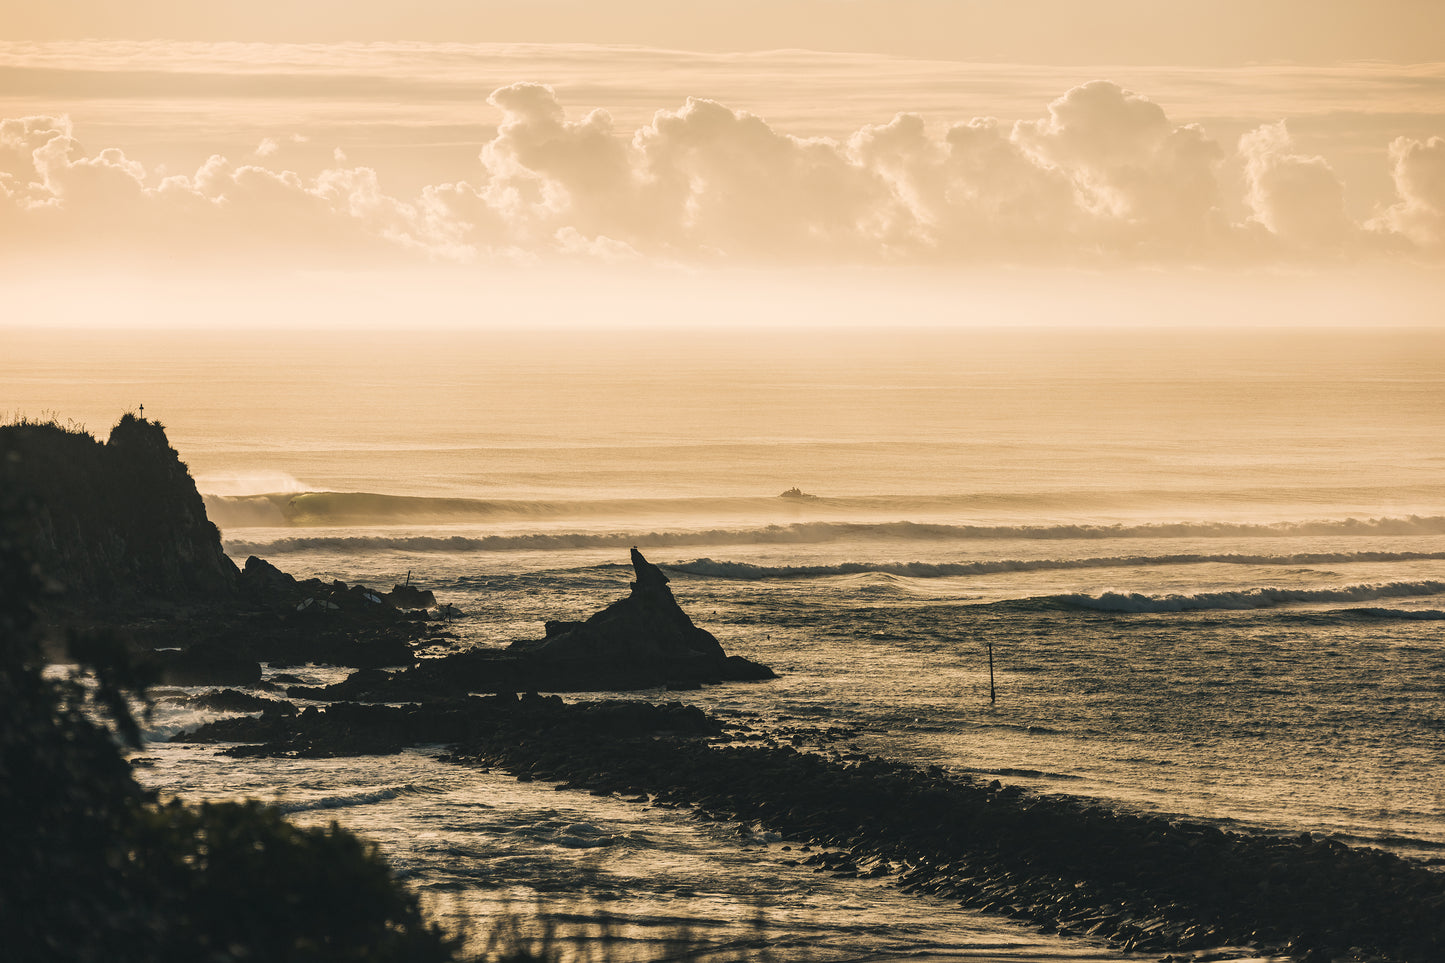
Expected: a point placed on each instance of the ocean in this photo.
(1209, 566)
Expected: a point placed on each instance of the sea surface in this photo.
(1209, 567)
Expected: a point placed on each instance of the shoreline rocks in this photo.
(1142, 882)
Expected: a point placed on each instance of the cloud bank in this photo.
(1103, 177)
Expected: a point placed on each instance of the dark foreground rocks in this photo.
(1142, 882)
(278, 620)
(354, 729)
(642, 641)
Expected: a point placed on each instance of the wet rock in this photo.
(260, 577)
(233, 700)
(348, 728)
(408, 596)
(207, 664)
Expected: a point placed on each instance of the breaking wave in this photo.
(1259, 598)
(355, 799)
(302, 509)
(1402, 615)
(799, 533)
(745, 571)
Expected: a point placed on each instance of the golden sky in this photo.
(1179, 32)
(470, 146)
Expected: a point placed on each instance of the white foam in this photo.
(1257, 598)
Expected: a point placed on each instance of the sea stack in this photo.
(643, 641)
(646, 627)
(645, 638)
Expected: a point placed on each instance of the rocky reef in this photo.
(121, 529)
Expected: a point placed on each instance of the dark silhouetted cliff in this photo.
(114, 522)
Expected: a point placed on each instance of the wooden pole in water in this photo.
(992, 695)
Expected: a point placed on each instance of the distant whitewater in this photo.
(1257, 598)
(818, 533)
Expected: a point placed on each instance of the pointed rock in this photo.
(642, 641)
(646, 627)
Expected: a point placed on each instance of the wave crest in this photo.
(355, 799)
(1259, 598)
(746, 571)
(800, 533)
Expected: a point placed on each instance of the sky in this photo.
(855, 161)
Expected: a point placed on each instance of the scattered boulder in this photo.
(207, 664)
(260, 577)
(1143, 882)
(409, 597)
(233, 700)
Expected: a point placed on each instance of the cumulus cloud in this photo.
(271, 146)
(1103, 176)
(62, 199)
(26, 154)
(544, 173)
(1134, 173)
(1299, 199)
(1418, 168)
(724, 180)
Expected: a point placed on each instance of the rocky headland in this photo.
(116, 524)
(121, 533)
